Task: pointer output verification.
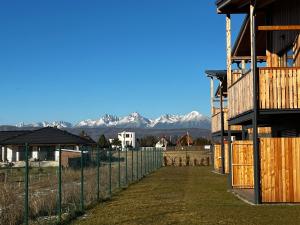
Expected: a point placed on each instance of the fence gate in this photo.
(242, 164)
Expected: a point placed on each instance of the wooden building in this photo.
(263, 97)
(219, 120)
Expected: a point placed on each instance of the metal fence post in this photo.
(152, 160)
(119, 168)
(131, 164)
(59, 184)
(81, 181)
(149, 160)
(142, 173)
(161, 157)
(137, 164)
(144, 155)
(126, 167)
(26, 205)
(98, 173)
(155, 158)
(109, 173)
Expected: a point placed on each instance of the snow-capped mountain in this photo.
(191, 120)
(134, 120)
(105, 121)
(59, 124)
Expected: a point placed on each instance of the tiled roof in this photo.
(10, 134)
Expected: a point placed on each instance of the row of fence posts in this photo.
(151, 159)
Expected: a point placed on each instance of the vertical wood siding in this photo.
(217, 157)
(280, 169)
(242, 164)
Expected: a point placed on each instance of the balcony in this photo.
(216, 121)
(279, 88)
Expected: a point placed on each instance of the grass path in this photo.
(185, 195)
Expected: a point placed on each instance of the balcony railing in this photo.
(279, 88)
(216, 121)
(240, 95)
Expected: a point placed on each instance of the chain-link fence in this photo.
(37, 194)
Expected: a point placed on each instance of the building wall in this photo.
(127, 138)
(283, 13)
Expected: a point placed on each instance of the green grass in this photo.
(185, 195)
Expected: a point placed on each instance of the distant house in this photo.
(43, 144)
(162, 143)
(127, 139)
(185, 140)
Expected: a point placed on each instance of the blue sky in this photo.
(73, 60)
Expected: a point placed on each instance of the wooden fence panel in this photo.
(280, 169)
(226, 158)
(242, 164)
(218, 158)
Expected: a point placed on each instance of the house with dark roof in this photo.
(43, 144)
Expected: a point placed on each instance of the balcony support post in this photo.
(229, 158)
(228, 48)
(256, 158)
(222, 128)
(212, 95)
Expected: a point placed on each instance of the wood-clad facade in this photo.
(263, 99)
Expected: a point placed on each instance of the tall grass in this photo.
(43, 192)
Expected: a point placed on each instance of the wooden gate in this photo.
(242, 164)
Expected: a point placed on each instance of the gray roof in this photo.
(219, 74)
(10, 134)
(47, 136)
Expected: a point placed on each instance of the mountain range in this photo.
(193, 119)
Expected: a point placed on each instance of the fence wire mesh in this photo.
(53, 192)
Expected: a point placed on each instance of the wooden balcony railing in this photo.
(240, 95)
(216, 121)
(279, 88)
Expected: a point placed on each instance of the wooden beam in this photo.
(247, 58)
(222, 128)
(278, 27)
(212, 95)
(228, 48)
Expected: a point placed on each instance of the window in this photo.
(127, 135)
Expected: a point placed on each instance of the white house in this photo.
(162, 143)
(127, 139)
